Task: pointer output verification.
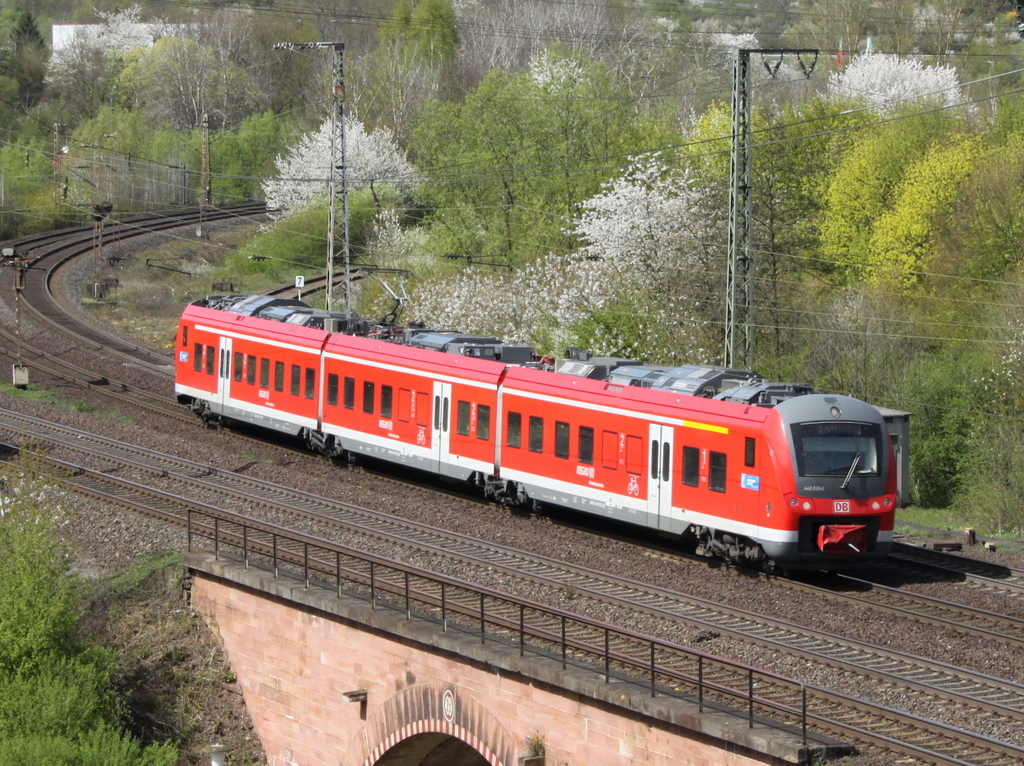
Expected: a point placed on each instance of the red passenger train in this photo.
(753, 472)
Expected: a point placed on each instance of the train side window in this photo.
(239, 369)
(405, 405)
(296, 379)
(691, 466)
(279, 376)
(609, 450)
(654, 458)
(462, 419)
(184, 336)
(561, 439)
(250, 369)
(748, 454)
(536, 434)
(332, 388)
(368, 392)
(717, 478)
(634, 455)
(386, 398)
(483, 422)
(264, 372)
(586, 445)
(310, 383)
(197, 357)
(421, 408)
(514, 430)
(211, 355)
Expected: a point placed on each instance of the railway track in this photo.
(889, 729)
(365, 529)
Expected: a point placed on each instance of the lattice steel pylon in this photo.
(741, 266)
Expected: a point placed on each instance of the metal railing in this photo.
(660, 668)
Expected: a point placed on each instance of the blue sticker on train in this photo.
(750, 482)
(183, 356)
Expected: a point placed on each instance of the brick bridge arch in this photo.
(432, 724)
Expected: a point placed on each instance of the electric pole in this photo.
(741, 267)
(337, 164)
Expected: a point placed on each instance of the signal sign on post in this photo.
(300, 281)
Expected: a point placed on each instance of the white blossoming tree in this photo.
(885, 82)
(373, 158)
(623, 293)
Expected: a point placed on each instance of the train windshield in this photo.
(838, 449)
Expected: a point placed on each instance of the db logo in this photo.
(841, 506)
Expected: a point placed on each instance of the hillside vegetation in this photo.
(558, 173)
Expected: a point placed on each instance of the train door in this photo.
(659, 483)
(441, 424)
(224, 372)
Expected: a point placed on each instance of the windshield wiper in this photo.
(849, 474)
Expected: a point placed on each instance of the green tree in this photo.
(508, 165)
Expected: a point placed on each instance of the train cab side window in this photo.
(368, 392)
(197, 358)
(332, 389)
(310, 383)
(561, 439)
(586, 445)
(211, 355)
(514, 430)
(184, 336)
(250, 370)
(748, 452)
(279, 376)
(264, 373)
(536, 434)
(350, 394)
(239, 366)
(296, 379)
(483, 422)
(716, 480)
(691, 466)
(462, 419)
(386, 398)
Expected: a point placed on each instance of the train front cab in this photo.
(841, 497)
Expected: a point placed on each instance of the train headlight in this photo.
(792, 502)
(887, 502)
(807, 505)
(875, 505)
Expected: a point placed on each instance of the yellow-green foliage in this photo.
(864, 187)
(901, 243)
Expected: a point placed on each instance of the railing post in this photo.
(803, 706)
(216, 538)
(750, 698)
(483, 620)
(245, 544)
(565, 649)
(189, 525)
(444, 608)
(607, 657)
(305, 565)
(700, 683)
(522, 629)
(653, 673)
(408, 604)
(373, 587)
(337, 569)
(273, 537)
